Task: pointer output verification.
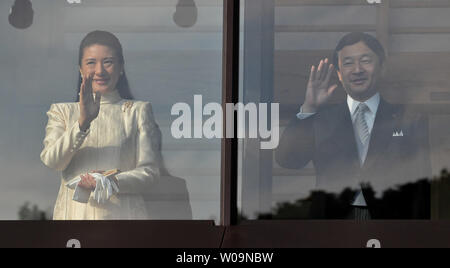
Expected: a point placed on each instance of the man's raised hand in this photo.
(319, 91)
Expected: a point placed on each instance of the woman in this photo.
(104, 130)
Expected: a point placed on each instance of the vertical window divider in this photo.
(230, 94)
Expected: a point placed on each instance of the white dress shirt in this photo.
(370, 116)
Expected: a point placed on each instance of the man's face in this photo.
(359, 71)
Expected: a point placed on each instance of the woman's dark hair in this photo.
(111, 41)
(356, 37)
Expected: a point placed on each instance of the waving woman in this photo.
(104, 130)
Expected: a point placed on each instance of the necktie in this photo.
(363, 134)
(361, 127)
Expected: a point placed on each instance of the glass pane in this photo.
(172, 51)
(337, 159)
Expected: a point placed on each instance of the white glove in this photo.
(104, 189)
(80, 194)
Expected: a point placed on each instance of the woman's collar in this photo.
(110, 97)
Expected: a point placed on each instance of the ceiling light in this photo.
(21, 14)
(186, 13)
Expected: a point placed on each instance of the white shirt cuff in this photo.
(301, 115)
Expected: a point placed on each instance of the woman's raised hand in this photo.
(89, 105)
(318, 91)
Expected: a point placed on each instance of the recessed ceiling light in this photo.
(186, 13)
(21, 14)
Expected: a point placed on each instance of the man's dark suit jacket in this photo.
(327, 138)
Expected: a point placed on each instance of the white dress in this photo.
(124, 136)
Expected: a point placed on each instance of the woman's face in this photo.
(102, 64)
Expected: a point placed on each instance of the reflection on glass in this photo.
(165, 64)
(364, 141)
(186, 13)
(104, 130)
(362, 144)
(362, 129)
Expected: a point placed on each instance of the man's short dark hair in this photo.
(356, 37)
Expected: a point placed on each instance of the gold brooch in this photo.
(127, 105)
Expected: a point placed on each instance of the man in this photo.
(364, 144)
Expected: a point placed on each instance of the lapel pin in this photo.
(398, 134)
